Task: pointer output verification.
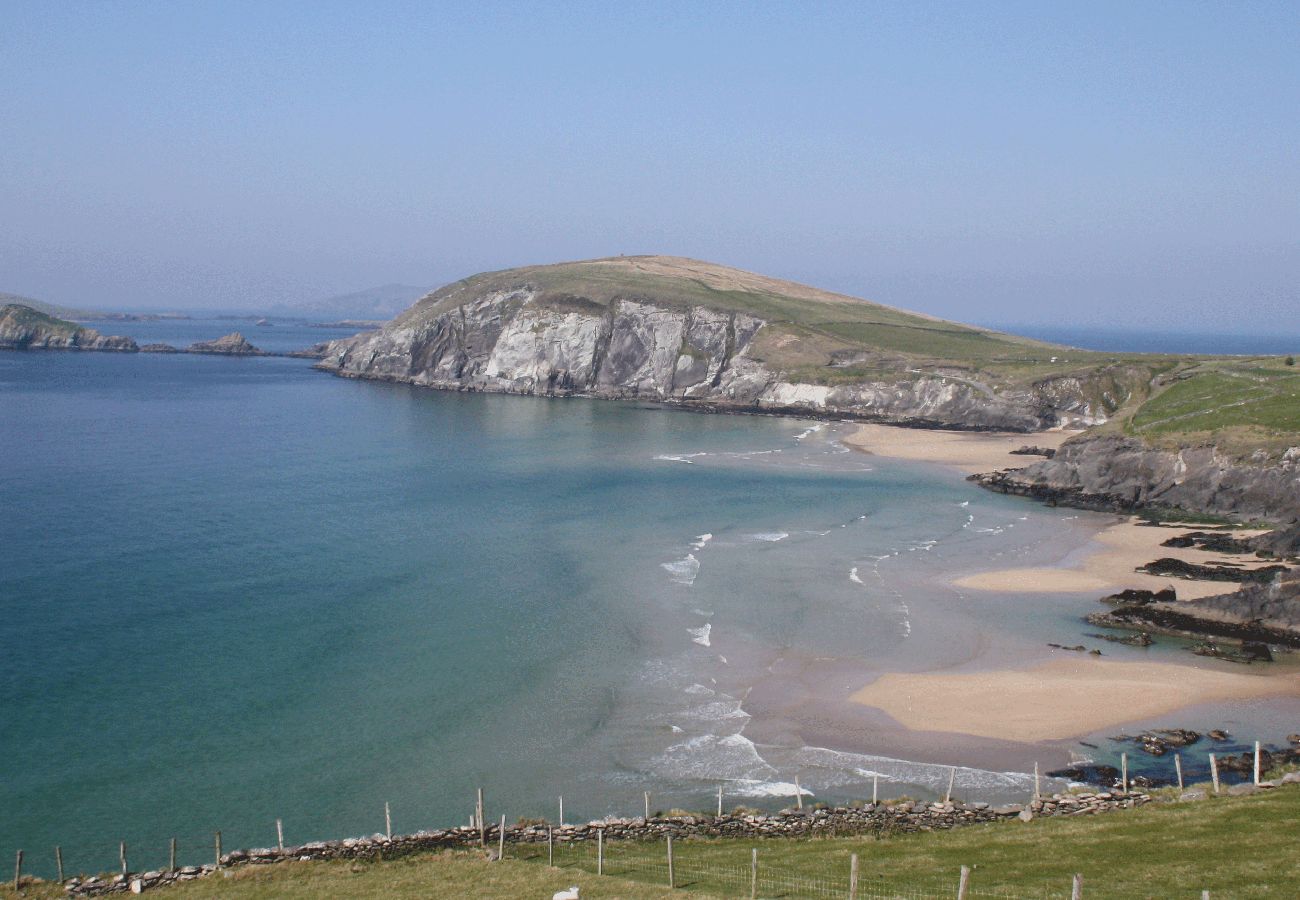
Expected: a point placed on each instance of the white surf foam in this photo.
(683, 571)
(813, 430)
(701, 540)
(701, 635)
(853, 575)
(770, 536)
(688, 458)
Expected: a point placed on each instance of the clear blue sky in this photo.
(1128, 164)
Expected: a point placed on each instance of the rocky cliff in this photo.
(1112, 472)
(687, 332)
(23, 328)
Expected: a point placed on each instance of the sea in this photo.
(236, 590)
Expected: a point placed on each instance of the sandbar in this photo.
(1060, 699)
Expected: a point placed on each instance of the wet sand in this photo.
(1060, 699)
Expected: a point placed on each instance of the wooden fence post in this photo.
(1076, 887)
(952, 778)
(753, 874)
(647, 806)
(1205, 895)
(550, 847)
(1038, 792)
(501, 840)
(600, 851)
(853, 876)
(875, 787)
(18, 870)
(171, 856)
(279, 835)
(121, 855)
(217, 842)
(1256, 763)
(963, 883)
(1214, 772)
(1178, 768)
(671, 880)
(388, 821)
(719, 801)
(561, 809)
(58, 861)
(798, 793)
(478, 814)
(1123, 763)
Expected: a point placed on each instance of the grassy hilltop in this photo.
(820, 337)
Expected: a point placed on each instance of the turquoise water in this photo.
(236, 590)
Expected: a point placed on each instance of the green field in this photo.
(1234, 847)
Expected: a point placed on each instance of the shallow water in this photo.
(236, 590)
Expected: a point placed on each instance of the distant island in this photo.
(24, 328)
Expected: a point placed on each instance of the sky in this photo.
(1090, 164)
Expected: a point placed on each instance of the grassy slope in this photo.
(1240, 847)
(821, 337)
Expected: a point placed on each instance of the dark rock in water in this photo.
(1293, 738)
(1257, 650)
(1141, 639)
(158, 348)
(1078, 648)
(1136, 595)
(1218, 734)
(233, 344)
(1027, 450)
(1181, 569)
(1261, 613)
(1088, 773)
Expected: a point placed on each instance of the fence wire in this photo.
(648, 862)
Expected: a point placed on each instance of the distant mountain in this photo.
(381, 302)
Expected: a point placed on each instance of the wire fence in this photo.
(697, 866)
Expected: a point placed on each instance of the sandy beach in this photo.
(1060, 699)
(969, 451)
(1121, 548)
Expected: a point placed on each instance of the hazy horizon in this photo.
(1100, 167)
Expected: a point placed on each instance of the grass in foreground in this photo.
(1238, 847)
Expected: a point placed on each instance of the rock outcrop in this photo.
(233, 344)
(1266, 613)
(1121, 474)
(23, 328)
(514, 332)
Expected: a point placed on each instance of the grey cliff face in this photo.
(509, 342)
(1123, 473)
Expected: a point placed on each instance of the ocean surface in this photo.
(236, 590)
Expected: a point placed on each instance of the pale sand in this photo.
(970, 451)
(1061, 699)
(1124, 546)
